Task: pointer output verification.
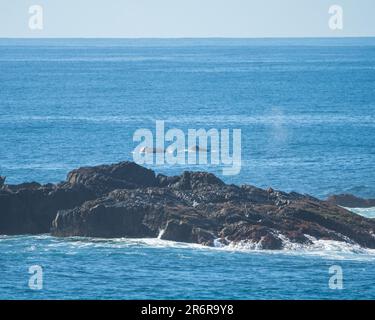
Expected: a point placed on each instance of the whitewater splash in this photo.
(327, 249)
(365, 212)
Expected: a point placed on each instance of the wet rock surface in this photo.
(127, 200)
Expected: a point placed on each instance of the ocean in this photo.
(306, 109)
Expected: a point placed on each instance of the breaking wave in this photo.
(327, 249)
(365, 212)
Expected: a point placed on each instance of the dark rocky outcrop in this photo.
(351, 201)
(29, 208)
(31, 211)
(127, 200)
(105, 178)
(214, 211)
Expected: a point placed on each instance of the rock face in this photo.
(126, 200)
(31, 211)
(105, 178)
(350, 201)
(213, 212)
(30, 208)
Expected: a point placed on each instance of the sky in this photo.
(186, 18)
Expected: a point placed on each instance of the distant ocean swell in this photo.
(206, 120)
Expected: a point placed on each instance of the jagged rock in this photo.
(350, 201)
(126, 200)
(31, 211)
(105, 178)
(31, 207)
(207, 209)
(27, 185)
(165, 181)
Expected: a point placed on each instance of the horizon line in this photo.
(189, 38)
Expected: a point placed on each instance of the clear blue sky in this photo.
(187, 18)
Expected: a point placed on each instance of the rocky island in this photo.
(128, 200)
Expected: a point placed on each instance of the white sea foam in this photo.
(161, 232)
(330, 249)
(327, 249)
(365, 212)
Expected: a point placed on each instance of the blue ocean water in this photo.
(154, 269)
(306, 108)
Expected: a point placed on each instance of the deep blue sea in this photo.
(306, 108)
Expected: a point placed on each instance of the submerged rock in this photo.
(350, 201)
(127, 200)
